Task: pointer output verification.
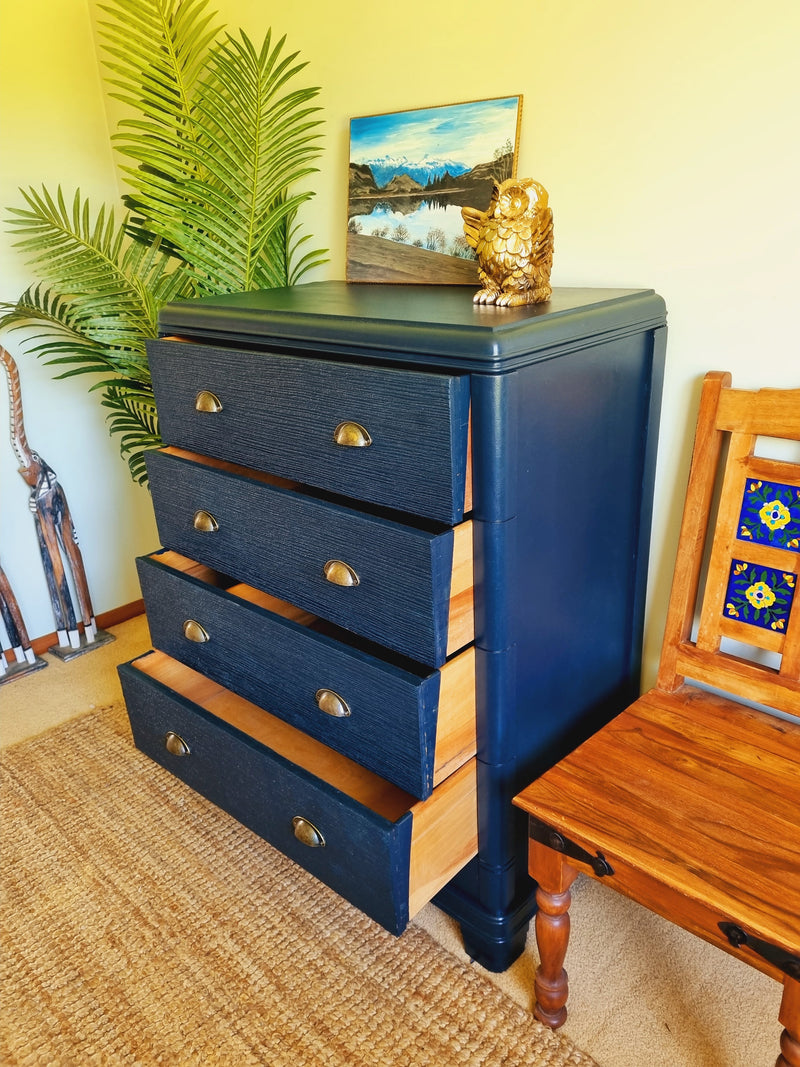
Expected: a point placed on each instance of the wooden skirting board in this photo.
(104, 621)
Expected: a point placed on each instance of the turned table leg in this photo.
(553, 898)
(790, 1017)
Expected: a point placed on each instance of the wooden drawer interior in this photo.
(443, 828)
(175, 585)
(419, 596)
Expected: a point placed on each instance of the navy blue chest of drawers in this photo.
(403, 565)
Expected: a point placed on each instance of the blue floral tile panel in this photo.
(770, 515)
(760, 596)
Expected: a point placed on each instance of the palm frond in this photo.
(133, 417)
(100, 309)
(307, 261)
(90, 261)
(156, 52)
(219, 138)
(57, 327)
(217, 198)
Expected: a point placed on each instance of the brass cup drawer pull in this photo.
(175, 744)
(351, 435)
(193, 631)
(205, 522)
(332, 704)
(339, 573)
(208, 402)
(307, 833)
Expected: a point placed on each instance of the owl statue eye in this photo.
(514, 202)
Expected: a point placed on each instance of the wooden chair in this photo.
(689, 801)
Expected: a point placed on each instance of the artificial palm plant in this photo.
(218, 139)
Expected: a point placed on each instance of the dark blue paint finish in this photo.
(565, 568)
(495, 684)
(496, 559)
(581, 538)
(279, 665)
(279, 414)
(565, 408)
(365, 858)
(279, 540)
(495, 426)
(423, 325)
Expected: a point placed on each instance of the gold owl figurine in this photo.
(513, 240)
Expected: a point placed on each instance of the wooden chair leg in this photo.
(553, 898)
(790, 1017)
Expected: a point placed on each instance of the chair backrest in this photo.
(736, 575)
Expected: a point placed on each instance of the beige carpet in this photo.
(142, 925)
(643, 991)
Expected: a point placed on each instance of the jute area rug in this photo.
(141, 925)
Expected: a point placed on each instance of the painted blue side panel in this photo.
(580, 513)
(563, 528)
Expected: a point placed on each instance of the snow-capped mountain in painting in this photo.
(423, 171)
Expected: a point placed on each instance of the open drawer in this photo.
(377, 846)
(396, 437)
(410, 724)
(404, 585)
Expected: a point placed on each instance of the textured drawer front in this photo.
(280, 541)
(378, 849)
(411, 726)
(280, 413)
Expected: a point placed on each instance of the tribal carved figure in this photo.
(15, 630)
(58, 541)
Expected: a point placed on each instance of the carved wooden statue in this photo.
(513, 240)
(54, 527)
(16, 638)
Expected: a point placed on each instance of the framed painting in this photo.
(411, 172)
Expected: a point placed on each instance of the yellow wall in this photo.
(666, 135)
(54, 130)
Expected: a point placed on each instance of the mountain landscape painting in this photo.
(411, 172)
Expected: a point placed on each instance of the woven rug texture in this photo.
(142, 925)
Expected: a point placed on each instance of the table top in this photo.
(438, 325)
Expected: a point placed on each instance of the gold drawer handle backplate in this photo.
(205, 522)
(332, 704)
(207, 401)
(175, 744)
(307, 833)
(193, 631)
(352, 435)
(339, 573)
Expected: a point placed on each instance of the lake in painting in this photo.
(410, 174)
